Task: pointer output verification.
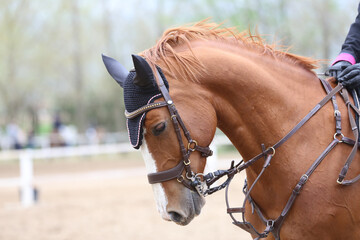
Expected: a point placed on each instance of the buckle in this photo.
(187, 162)
(270, 223)
(272, 149)
(269, 227)
(337, 113)
(336, 137)
(339, 182)
(305, 177)
(192, 145)
(180, 179)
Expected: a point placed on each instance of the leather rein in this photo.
(202, 183)
(274, 225)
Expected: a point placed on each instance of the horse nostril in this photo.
(175, 217)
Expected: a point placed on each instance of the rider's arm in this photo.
(350, 50)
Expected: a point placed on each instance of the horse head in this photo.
(167, 141)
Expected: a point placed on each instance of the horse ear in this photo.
(144, 74)
(115, 69)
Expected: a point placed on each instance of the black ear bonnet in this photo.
(135, 97)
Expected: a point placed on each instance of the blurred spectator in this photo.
(44, 127)
(31, 140)
(15, 136)
(56, 139)
(92, 135)
(57, 123)
(69, 134)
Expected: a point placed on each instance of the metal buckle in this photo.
(269, 227)
(306, 177)
(192, 145)
(270, 223)
(337, 134)
(339, 182)
(187, 163)
(201, 188)
(192, 177)
(272, 149)
(180, 179)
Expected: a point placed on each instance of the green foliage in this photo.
(51, 50)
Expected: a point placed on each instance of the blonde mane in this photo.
(189, 65)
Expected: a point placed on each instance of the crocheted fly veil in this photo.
(140, 88)
(134, 98)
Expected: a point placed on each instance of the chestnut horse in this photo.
(254, 94)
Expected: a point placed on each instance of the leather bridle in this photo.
(191, 180)
(274, 225)
(202, 183)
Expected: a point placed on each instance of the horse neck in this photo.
(257, 98)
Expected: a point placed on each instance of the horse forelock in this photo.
(190, 67)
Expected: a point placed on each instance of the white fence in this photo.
(26, 160)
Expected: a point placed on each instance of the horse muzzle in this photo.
(187, 209)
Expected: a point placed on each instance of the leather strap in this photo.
(167, 174)
(337, 113)
(274, 226)
(349, 141)
(179, 125)
(280, 220)
(147, 107)
(344, 170)
(309, 115)
(294, 130)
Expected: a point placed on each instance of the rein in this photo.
(202, 183)
(274, 225)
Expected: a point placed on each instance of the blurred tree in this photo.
(51, 51)
(110, 46)
(78, 65)
(16, 77)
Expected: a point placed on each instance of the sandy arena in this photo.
(89, 199)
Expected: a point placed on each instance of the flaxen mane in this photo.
(190, 66)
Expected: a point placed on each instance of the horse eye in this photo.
(159, 128)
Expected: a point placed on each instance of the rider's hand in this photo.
(337, 68)
(350, 77)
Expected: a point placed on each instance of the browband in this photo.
(145, 108)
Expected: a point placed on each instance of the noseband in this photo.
(191, 180)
